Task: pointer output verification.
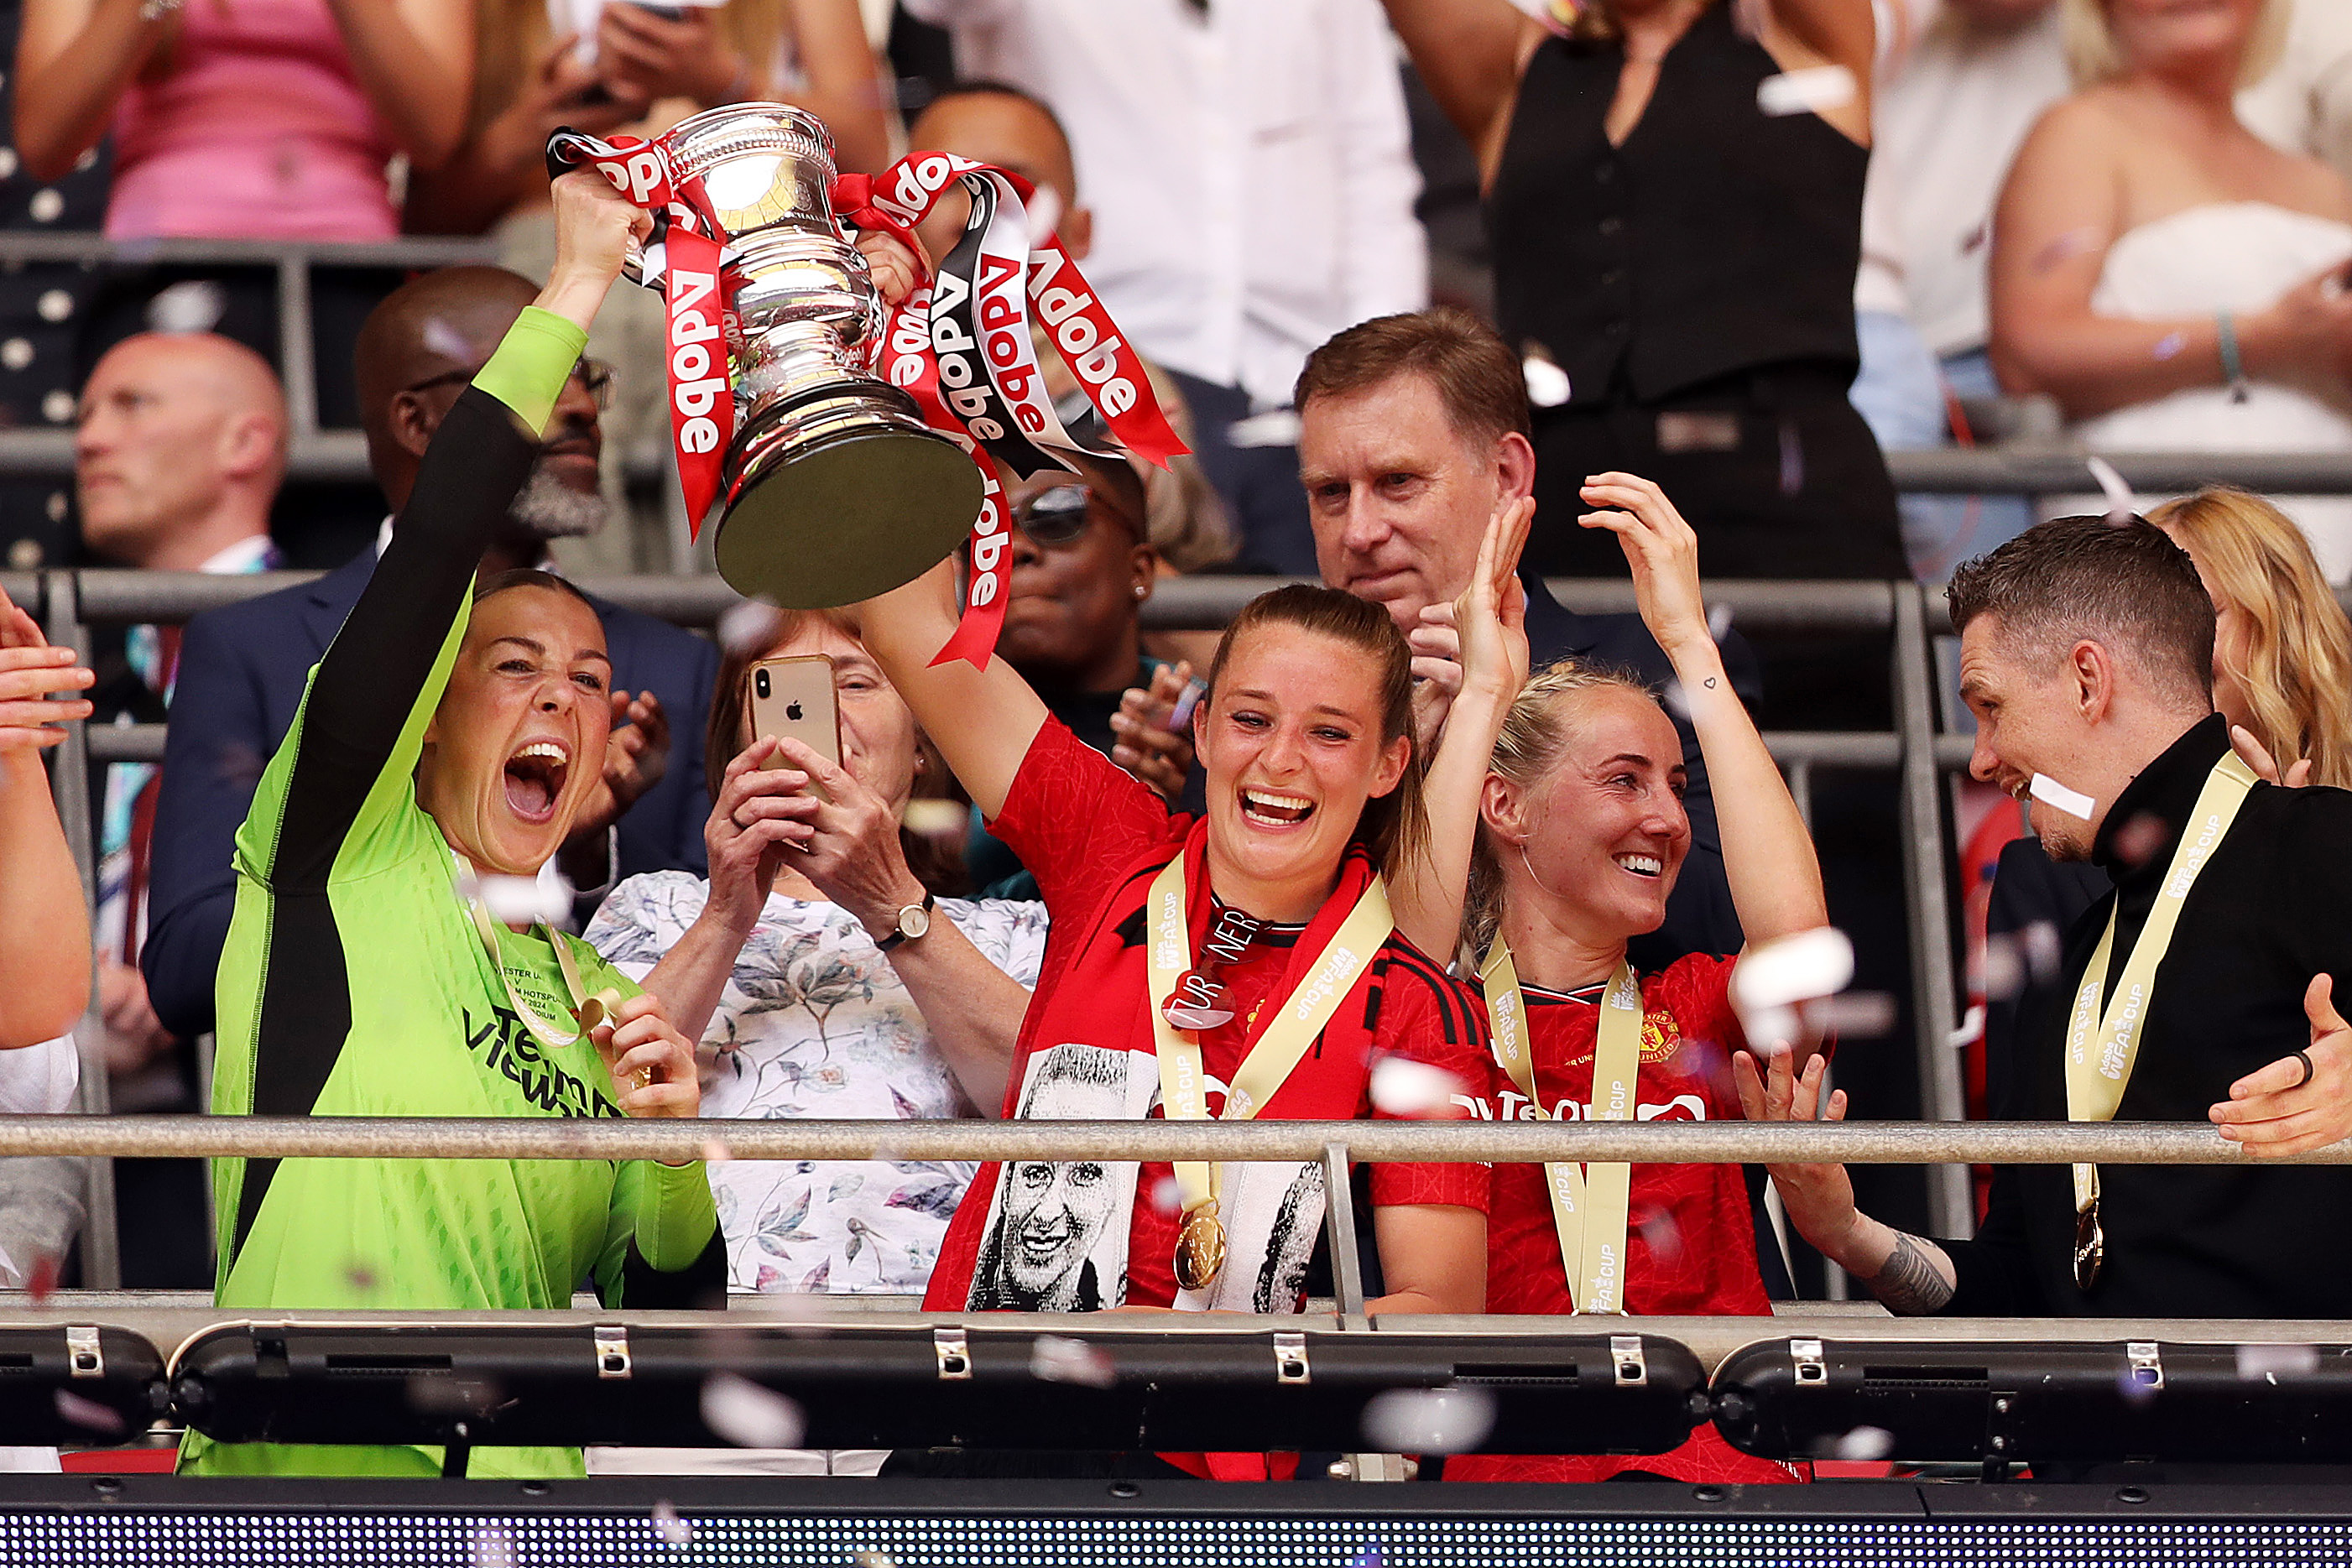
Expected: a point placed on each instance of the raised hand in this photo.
(1663, 552)
(1490, 616)
(1819, 1197)
(747, 835)
(849, 840)
(2256, 756)
(2292, 1106)
(897, 270)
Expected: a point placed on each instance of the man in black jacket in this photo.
(2200, 986)
(1413, 434)
(243, 669)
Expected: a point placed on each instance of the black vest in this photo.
(1716, 240)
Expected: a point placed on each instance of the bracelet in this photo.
(2233, 368)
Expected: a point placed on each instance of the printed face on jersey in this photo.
(2028, 721)
(1290, 741)
(517, 743)
(1604, 833)
(879, 745)
(1398, 499)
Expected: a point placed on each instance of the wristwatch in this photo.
(913, 921)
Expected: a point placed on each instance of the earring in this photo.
(1140, 590)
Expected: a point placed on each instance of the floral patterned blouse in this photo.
(814, 1022)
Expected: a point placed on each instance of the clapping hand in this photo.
(32, 673)
(1490, 617)
(1145, 745)
(1819, 1197)
(637, 757)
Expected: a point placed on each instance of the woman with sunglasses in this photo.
(1244, 963)
(1083, 565)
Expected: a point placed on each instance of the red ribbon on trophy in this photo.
(959, 347)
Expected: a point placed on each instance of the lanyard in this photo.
(2103, 1045)
(1587, 1202)
(1295, 1027)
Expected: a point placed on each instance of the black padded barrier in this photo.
(897, 1387)
(2007, 1403)
(137, 1521)
(88, 1385)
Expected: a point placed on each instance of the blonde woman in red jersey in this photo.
(1581, 832)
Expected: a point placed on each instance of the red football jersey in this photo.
(1690, 1247)
(1095, 838)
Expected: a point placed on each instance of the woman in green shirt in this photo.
(450, 736)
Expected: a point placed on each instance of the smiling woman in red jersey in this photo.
(1581, 832)
(1242, 964)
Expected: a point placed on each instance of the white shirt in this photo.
(1945, 123)
(1250, 171)
(816, 1022)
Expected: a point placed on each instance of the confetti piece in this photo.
(750, 627)
(2056, 796)
(1404, 1087)
(2003, 972)
(2266, 1362)
(714, 1153)
(1718, 622)
(748, 1416)
(1865, 1443)
(1166, 1194)
(1856, 1015)
(2121, 504)
(1770, 979)
(360, 1277)
(193, 305)
(2170, 344)
(1547, 382)
(2044, 949)
(1043, 212)
(43, 1280)
(1057, 1359)
(88, 1414)
(2141, 837)
(673, 1531)
(442, 338)
(937, 819)
(872, 1560)
(525, 900)
(493, 1547)
(1814, 90)
(1428, 1420)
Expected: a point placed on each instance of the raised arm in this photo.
(43, 918)
(982, 720)
(414, 60)
(75, 59)
(2060, 213)
(1768, 855)
(1491, 617)
(1469, 53)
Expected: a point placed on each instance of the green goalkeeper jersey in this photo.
(355, 983)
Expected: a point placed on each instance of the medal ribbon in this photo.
(1588, 1203)
(2102, 1047)
(1324, 980)
(548, 1033)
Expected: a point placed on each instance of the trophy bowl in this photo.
(839, 491)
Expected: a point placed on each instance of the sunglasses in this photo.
(1055, 517)
(594, 376)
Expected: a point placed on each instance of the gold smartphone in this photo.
(793, 697)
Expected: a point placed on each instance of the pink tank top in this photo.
(261, 131)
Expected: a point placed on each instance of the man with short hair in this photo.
(1413, 433)
(2201, 985)
(244, 668)
(178, 453)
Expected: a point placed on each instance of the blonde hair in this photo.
(1534, 740)
(2298, 645)
(2095, 56)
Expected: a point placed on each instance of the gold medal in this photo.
(1201, 1249)
(591, 1014)
(2090, 1246)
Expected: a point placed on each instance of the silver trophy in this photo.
(841, 491)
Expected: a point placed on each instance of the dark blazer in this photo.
(1700, 915)
(242, 674)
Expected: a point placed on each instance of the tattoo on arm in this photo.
(1910, 1281)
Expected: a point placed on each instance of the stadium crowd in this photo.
(442, 833)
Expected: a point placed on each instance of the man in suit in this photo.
(1413, 433)
(243, 669)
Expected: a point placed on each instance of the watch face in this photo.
(913, 921)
